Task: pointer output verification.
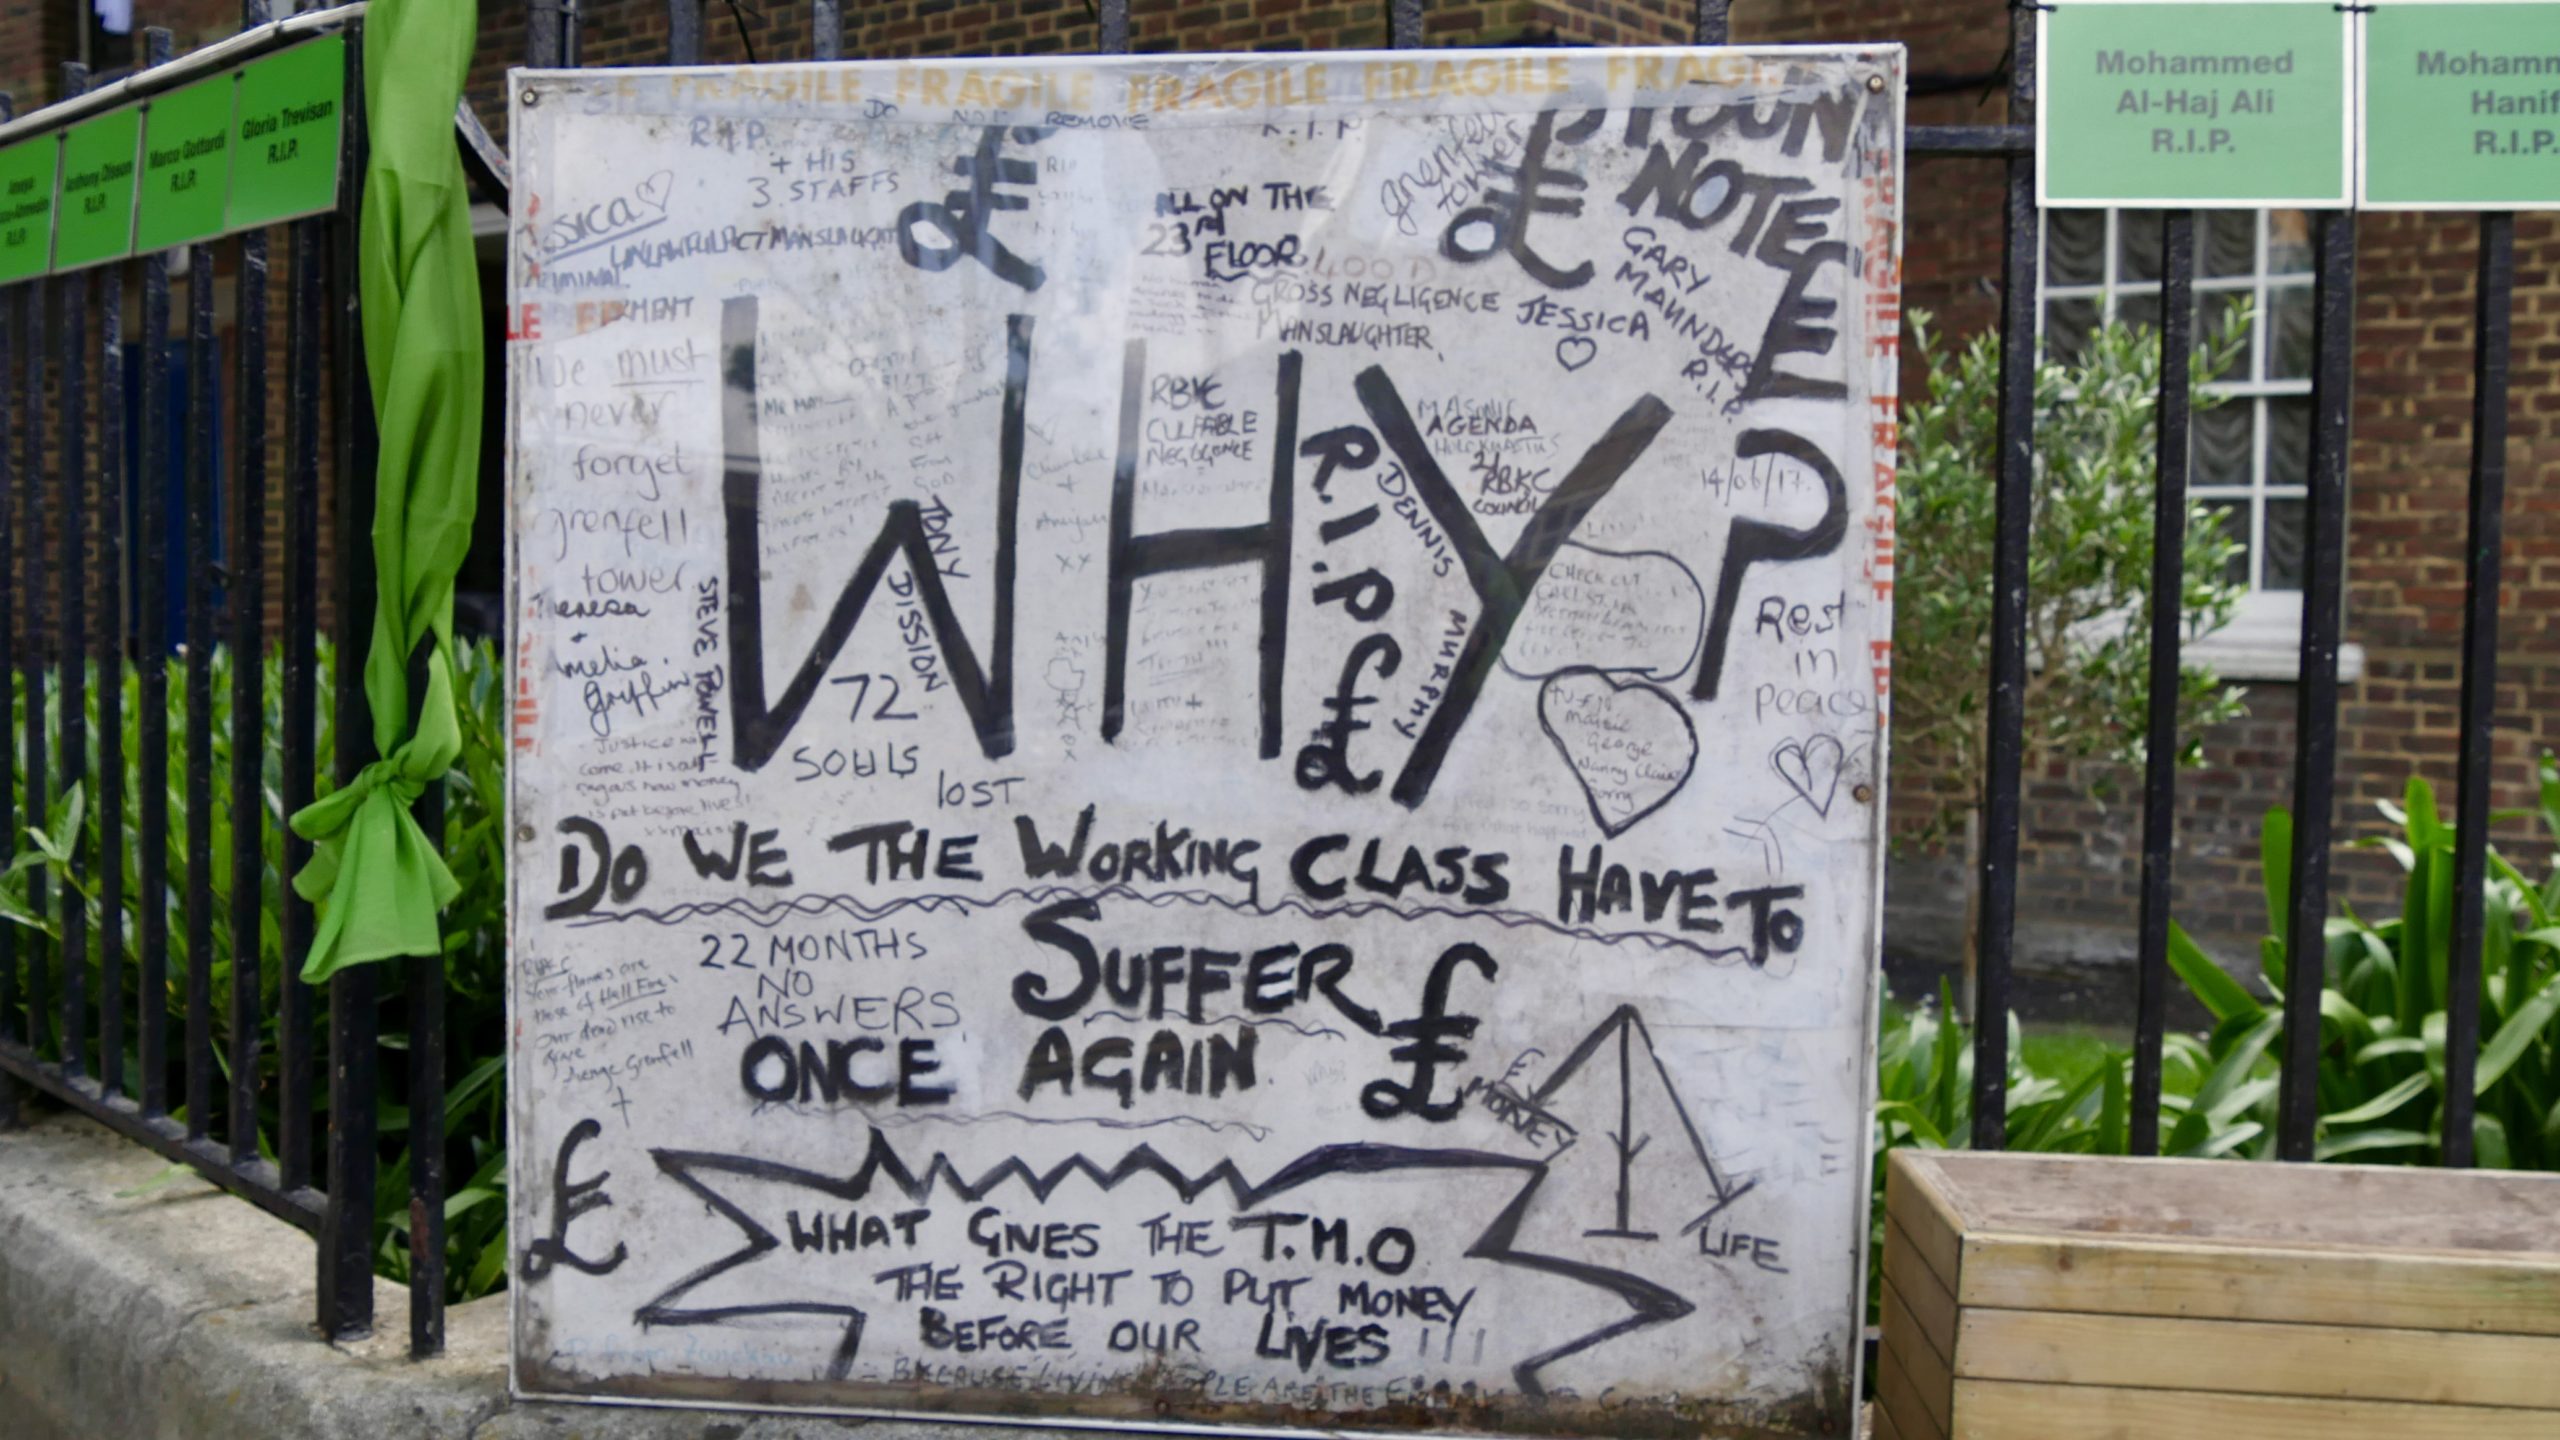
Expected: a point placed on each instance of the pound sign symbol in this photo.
(1427, 1048)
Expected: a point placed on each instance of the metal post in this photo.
(2168, 621)
(1111, 34)
(31, 588)
(151, 659)
(11, 1028)
(2006, 715)
(299, 710)
(1715, 22)
(542, 34)
(202, 347)
(2495, 298)
(2315, 752)
(426, 1102)
(826, 29)
(684, 32)
(109, 660)
(1404, 24)
(244, 592)
(346, 1225)
(71, 655)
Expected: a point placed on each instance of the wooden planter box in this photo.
(2039, 1297)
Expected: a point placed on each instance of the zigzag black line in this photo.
(1652, 1304)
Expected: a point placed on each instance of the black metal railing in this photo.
(87, 595)
(66, 446)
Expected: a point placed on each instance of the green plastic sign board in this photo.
(94, 206)
(26, 206)
(2210, 104)
(2461, 106)
(186, 164)
(284, 134)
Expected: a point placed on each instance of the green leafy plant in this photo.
(2088, 569)
(52, 848)
(2382, 1006)
(64, 853)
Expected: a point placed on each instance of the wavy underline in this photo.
(927, 1117)
(768, 915)
(1312, 1032)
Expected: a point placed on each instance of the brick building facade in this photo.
(2411, 421)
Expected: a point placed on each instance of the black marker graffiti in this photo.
(1326, 760)
(1427, 1048)
(1752, 542)
(1135, 556)
(1502, 581)
(568, 1202)
(963, 215)
(986, 695)
(623, 873)
(1505, 218)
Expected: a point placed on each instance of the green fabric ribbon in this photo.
(375, 874)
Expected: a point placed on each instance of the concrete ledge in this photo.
(134, 1304)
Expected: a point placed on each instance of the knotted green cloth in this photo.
(374, 873)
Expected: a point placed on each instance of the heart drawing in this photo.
(1575, 351)
(1629, 743)
(1811, 768)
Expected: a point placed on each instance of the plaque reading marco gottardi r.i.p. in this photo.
(1200, 741)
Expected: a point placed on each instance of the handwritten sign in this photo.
(2231, 104)
(1202, 740)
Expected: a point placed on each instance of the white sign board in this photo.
(1200, 740)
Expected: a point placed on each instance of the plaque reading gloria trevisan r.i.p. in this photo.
(1201, 740)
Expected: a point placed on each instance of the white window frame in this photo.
(2263, 639)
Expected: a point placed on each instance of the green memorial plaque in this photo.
(26, 207)
(94, 206)
(186, 164)
(284, 136)
(2461, 106)
(2211, 104)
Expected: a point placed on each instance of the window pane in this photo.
(2288, 242)
(2067, 324)
(2235, 523)
(2221, 443)
(2288, 440)
(2214, 311)
(2230, 243)
(2289, 335)
(2141, 309)
(2284, 545)
(2075, 247)
(2138, 245)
